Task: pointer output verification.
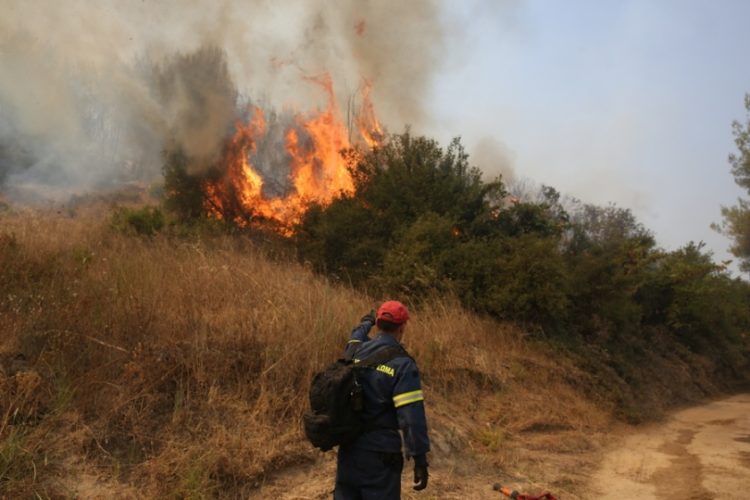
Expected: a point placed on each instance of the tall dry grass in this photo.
(181, 365)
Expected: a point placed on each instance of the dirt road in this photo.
(699, 453)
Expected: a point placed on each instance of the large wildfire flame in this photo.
(317, 169)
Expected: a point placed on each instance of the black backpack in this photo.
(336, 400)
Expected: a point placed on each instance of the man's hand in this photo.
(370, 316)
(420, 472)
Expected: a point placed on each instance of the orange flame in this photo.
(318, 170)
(367, 121)
(320, 173)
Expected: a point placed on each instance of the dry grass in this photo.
(180, 367)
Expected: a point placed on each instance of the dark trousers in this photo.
(368, 475)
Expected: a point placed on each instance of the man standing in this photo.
(370, 467)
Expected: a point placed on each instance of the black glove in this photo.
(420, 472)
(370, 316)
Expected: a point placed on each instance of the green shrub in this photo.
(145, 221)
(415, 263)
(531, 283)
(395, 185)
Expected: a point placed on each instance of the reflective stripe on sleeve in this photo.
(352, 341)
(407, 398)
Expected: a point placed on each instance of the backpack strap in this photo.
(350, 353)
(382, 356)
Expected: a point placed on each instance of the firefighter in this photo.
(370, 467)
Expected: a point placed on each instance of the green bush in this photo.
(145, 221)
(416, 262)
(531, 283)
(395, 185)
(609, 257)
(699, 301)
(421, 221)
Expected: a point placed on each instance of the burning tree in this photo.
(274, 165)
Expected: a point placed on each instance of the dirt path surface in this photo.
(699, 453)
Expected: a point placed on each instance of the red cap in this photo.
(394, 312)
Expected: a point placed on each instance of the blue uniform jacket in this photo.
(393, 397)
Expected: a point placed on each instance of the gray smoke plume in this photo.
(91, 93)
(493, 158)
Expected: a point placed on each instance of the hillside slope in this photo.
(165, 366)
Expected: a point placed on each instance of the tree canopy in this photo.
(736, 223)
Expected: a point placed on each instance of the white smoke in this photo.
(92, 92)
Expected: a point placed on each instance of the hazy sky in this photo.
(609, 101)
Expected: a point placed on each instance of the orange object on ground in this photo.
(514, 495)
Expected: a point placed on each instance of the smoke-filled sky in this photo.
(91, 91)
(626, 101)
(609, 101)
